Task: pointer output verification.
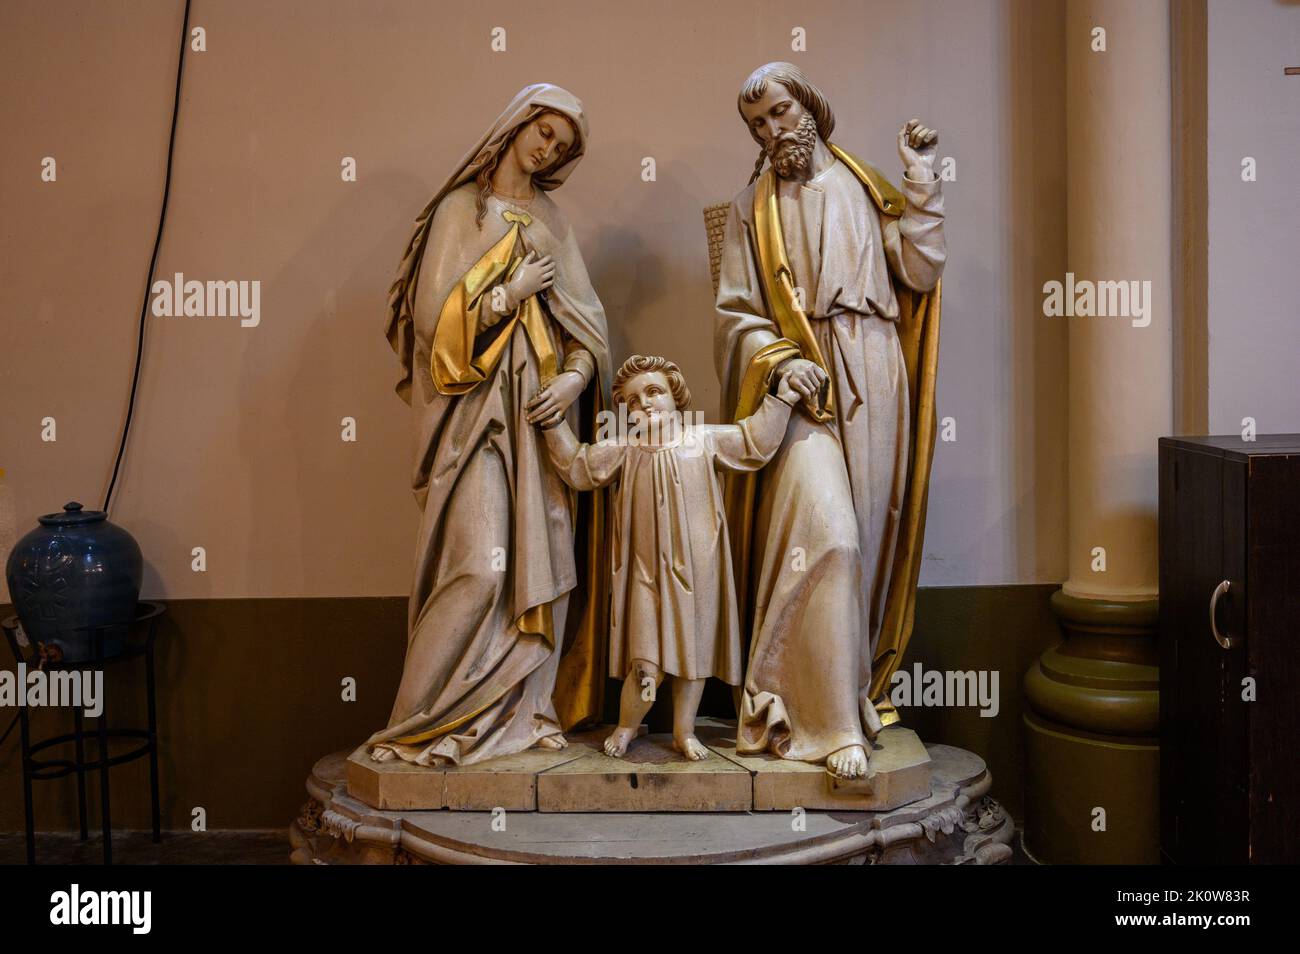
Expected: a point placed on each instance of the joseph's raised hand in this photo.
(916, 147)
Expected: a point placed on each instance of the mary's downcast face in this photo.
(543, 143)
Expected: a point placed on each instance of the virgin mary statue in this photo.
(498, 328)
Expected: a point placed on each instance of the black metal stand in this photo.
(41, 770)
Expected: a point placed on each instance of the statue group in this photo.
(575, 526)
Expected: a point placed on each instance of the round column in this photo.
(1092, 720)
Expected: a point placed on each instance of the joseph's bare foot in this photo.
(691, 747)
(552, 742)
(618, 741)
(848, 762)
(382, 754)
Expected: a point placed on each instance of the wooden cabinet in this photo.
(1230, 767)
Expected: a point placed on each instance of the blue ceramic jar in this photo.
(76, 570)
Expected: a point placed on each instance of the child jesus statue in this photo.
(673, 603)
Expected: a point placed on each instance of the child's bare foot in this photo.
(618, 741)
(556, 741)
(691, 747)
(381, 753)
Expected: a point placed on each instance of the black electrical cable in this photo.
(153, 261)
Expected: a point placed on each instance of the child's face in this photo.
(648, 395)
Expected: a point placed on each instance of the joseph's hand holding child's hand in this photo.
(785, 391)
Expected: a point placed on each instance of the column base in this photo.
(1070, 776)
(1092, 754)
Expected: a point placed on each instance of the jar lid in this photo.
(72, 516)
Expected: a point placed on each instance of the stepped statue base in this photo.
(579, 806)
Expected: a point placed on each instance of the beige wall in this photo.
(1254, 285)
(236, 445)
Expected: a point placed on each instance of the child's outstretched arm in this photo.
(752, 441)
(581, 466)
(562, 444)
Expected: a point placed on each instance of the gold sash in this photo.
(779, 289)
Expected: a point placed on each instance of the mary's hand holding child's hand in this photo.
(546, 408)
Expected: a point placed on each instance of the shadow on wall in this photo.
(636, 284)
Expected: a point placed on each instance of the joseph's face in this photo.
(543, 143)
(776, 113)
(649, 397)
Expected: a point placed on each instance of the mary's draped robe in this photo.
(501, 651)
(837, 271)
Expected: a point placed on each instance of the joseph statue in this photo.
(830, 272)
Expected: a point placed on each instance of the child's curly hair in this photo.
(642, 364)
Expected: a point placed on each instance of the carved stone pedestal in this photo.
(957, 823)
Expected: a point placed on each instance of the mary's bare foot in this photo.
(618, 741)
(381, 753)
(848, 762)
(556, 741)
(691, 747)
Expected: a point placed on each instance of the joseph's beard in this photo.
(791, 154)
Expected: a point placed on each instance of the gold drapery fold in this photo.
(918, 334)
(887, 198)
(469, 709)
(456, 369)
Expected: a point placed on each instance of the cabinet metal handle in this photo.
(1227, 642)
